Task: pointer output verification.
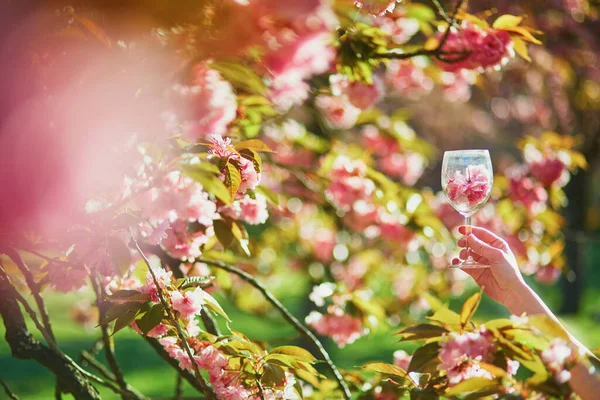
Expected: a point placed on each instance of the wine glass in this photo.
(467, 178)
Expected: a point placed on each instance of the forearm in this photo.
(525, 300)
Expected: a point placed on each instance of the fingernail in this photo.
(462, 229)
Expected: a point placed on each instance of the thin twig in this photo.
(33, 287)
(207, 390)
(438, 51)
(162, 353)
(106, 339)
(97, 365)
(10, 394)
(442, 12)
(209, 322)
(303, 330)
(178, 388)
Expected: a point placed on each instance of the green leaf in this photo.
(214, 306)
(253, 144)
(223, 232)
(129, 296)
(252, 156)
(469, 308)
(296, 352)
(193, 281)
(151, 319)
(240, 76)
(421, 331)
(368, 307)
(507, 21)
(269, 194)
(549, 326)
(446, 317)
(425, 358)
(420, 12)
(471, 385)
(233, 179)
(123, 321)
(387, 369)
(273, 375)
(120, 310)
(211, 183)
(520, 47)
(119, 254)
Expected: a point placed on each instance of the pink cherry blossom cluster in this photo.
(170, 206)
(482, 49)
(397, 25)
(337, 111)
(526, 191)
(225, 381)
(349, 183)
(402, 359)
(281, 138)
(376, 7)
(361, 95)
(392, 159)
(206, 106)
(469, 188)
(556, 357)
(90, 254)
(408, 78)
(461, 353)
(342, 328)
(223, 149)
(298, 46)
(548, 167)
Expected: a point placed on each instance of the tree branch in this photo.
(438, 52)
(303, 330)
(106, 339)
(205, 388)
(24, 346)
(10, 394)
(33, 287)
(160, 350)
(209, 322)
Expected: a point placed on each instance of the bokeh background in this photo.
(559, 91)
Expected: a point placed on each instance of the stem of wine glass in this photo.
(468, 230)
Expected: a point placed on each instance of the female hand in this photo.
(503, 282)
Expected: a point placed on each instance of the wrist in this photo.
(517, 299)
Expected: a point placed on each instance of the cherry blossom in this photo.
(486, 49)
(402, 359)
(342, 328)
(348, 183)
(400, 28)
(408, 78)
(408, 166)
(548, 171)
(461, 353)
(205, 107)
(188, 303)
(376, 7)
(338, 111)
(66, 279)
(524, 190)
(381, 145)
(471, 187)
(556, 356)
